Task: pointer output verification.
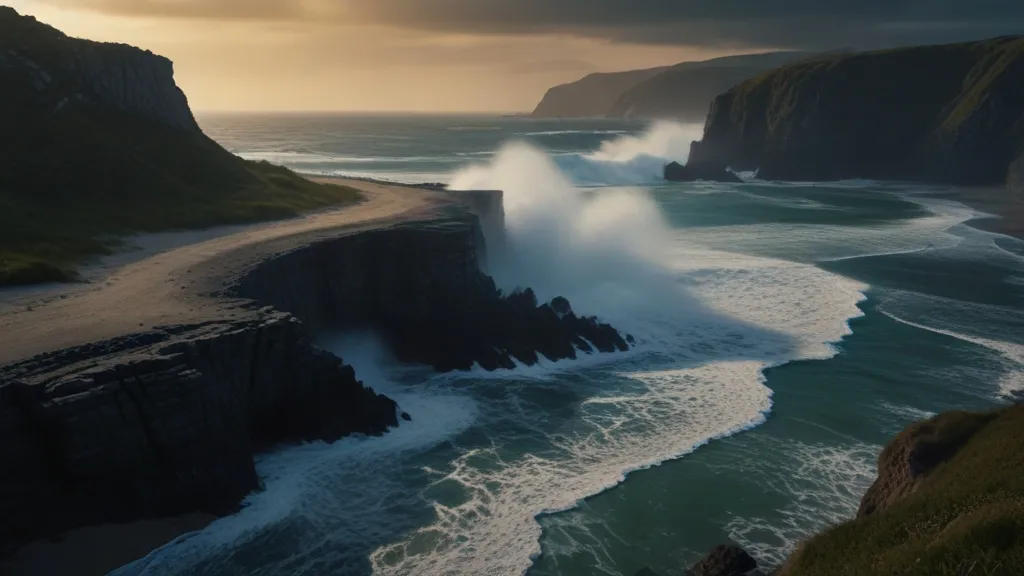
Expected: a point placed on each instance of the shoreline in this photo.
(179, 285)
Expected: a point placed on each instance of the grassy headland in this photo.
(963, 517)
(97, 142)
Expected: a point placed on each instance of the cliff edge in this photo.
(950, 114)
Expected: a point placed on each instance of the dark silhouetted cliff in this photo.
(684, 92)
(951, 114)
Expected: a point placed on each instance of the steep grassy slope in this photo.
(97, 141)
(949, 501)
(951, 113)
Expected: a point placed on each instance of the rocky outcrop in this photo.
(64, 71)
(421, 286)
(952, 114)
(676, 172)
(165, 422)
(591, 96)
(915, 453)
(721, 561)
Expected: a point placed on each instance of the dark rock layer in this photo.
(165, 422)
(676, 172)
(952, 114)
(421, 287)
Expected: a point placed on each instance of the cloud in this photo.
(778, 23)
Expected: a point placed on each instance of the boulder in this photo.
(725, 561)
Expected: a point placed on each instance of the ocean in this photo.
(785, 332)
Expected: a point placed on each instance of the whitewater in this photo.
(498, 473)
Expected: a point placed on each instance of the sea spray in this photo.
(565, 241)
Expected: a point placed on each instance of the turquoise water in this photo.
(785, 332)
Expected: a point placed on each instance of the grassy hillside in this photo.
(97, 143)
(963, 518)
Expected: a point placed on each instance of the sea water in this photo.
(785, 332)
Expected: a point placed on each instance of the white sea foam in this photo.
(719, 318)
(826, 482)
(708, 322)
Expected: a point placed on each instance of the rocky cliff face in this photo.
(915, 453)
(421, 286)
(939, 113)
(165, 422)
(64, 71)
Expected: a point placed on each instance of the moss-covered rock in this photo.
(951, 113)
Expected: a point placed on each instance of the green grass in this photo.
(966, 518)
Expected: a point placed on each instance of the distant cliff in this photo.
(96, 140)
(685, 91)
(591, 96)
(681, 91)
(951, 114)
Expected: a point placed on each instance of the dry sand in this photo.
(169, 280)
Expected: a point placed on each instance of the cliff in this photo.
(166, 421)
(591, 96)
(98, 141)
(951, 114)
(684, 92)
(948, 501)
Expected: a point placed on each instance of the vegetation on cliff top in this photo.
(964, 517)
(950, 113)
(77, 172)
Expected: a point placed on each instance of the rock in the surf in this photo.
(725, 561)
(676, 172)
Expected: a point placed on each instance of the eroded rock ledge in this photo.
(167, 421)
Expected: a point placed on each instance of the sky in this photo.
(480, 55)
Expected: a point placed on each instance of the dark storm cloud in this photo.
(783, 23)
